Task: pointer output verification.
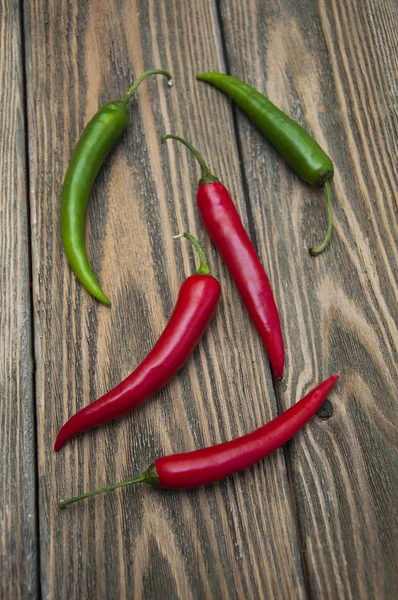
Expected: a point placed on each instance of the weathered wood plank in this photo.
(332, 66)
(234, 539)
(18, 541)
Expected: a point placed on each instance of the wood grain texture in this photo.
(231, 540)
(18, 543)
(333, 67)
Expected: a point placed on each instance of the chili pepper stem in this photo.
(135, 85)
(204, 268)
(328, 198)
(150, 476)
(108, 488)
(207, 175)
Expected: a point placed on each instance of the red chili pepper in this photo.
(200, 467)
(225, 228)
(196, 305)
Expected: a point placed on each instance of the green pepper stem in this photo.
(136, 83)
(328, 198)
(207, 176)
(108, 488)
(204, 268)
(150, 476)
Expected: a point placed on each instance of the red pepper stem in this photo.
(150, 476)
(207, 176)
(136, 83)
(204, 268)
(328, 198)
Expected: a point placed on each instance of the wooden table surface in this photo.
(318, 518)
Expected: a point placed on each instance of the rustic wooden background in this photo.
(317, 519)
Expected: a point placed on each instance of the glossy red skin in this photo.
(208, 465)
(226, 230)
(196, 305)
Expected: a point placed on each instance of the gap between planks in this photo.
(21, 16)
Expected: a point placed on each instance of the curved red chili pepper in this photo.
(201, 467)
(226, 230)
(207, 465)
(196, 305)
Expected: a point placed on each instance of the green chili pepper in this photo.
(96, 141)
(296, 146)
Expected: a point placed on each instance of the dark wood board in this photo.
(333, 67)
(18, 535)
(231, 540)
